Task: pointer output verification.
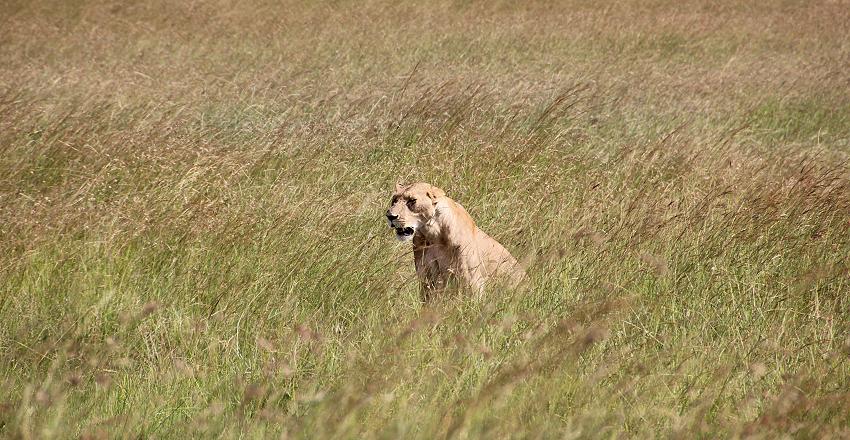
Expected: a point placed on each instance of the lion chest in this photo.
(434, 263)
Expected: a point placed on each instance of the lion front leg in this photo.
(473, 279)
(430, 285)
(470, 269)
(430, 282)
(426, 292)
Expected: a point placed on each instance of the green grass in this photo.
(191, 202)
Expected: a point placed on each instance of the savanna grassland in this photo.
(192, 241)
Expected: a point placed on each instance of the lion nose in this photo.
(391, 217)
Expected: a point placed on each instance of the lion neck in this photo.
(449, 226)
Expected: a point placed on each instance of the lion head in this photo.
(411, 208)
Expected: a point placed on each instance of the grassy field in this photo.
(192, 240)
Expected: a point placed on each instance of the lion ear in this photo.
(434, 193)
(398, 187)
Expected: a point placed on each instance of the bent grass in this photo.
(191, 200)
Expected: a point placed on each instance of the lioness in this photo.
(446, 242)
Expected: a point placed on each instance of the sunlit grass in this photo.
(191, 201)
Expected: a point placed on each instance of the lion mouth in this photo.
(404, 232)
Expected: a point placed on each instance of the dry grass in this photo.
(192, 242)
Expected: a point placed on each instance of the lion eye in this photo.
(411, 203)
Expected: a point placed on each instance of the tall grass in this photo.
(191, 199)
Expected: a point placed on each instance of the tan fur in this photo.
(447, 244)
